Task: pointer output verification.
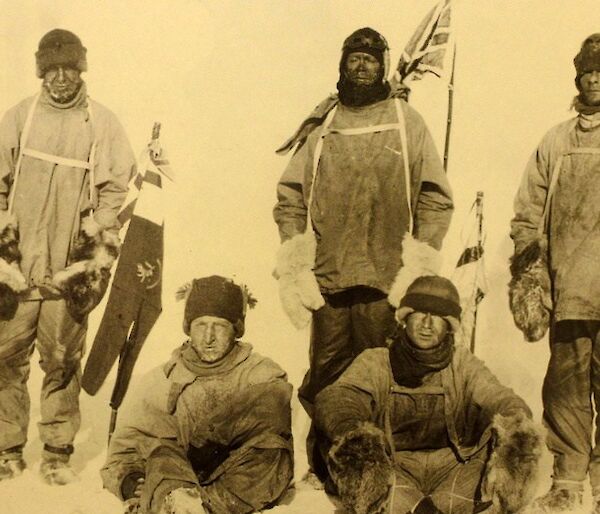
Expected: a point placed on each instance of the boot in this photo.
(559, 499)
(183, 500)
(55, 468)
(11, 463)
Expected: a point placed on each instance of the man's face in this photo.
(590, 87)
(362, 69)
(212, 337)
(62, 82)
(426, 330)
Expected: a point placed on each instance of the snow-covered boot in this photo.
(11, 464)
(55, 468)
(184, 500)
(559, 499)
(361, 468)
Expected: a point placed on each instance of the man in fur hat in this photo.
(555, 281)
(424, 427)
(62, 158)
(364, 179)
(210, 431)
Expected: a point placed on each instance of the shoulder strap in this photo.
(404, 144)
(22, 141)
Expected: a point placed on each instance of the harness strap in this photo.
(316, 159)
(364, 130)
(403, 142)
(22, 139)
(63, 161)
(56, 159)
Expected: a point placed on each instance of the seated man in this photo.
(210, 431)
(423, 426)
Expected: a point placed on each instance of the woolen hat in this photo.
(215, 296)
(60, 47)
(432, 294)
(588, 58)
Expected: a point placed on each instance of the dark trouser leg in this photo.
(60, 343)
(595, 457)
(16, 346)
(566, 395)
(372, 319)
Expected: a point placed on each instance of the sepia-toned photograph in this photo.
(318, 256)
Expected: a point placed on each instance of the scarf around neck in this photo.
(410, 363)
(589, 115)
(192, 362)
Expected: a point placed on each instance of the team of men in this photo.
(404, 420)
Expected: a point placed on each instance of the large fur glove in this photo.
(298, 289)
(418, 259)
(530, 290)
(12, 281)
(84, 282)
(513, 470)
(361, 468)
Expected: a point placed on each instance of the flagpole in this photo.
(479, 219)
(450, 106)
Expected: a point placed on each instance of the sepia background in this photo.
(230, 80)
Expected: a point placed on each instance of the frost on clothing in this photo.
(574, 220)
(359, 209)
(471, 396)
(49, 197)
(227, 430)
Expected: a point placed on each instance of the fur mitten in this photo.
(513, 469)
(361, 468)
(298, 289)
(84, 282)
(530, 290)
(12, 281)
(418, 259)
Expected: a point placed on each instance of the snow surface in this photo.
(230, 80)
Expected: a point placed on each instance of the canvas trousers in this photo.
(59, 339)
(571, 384)
(350, 321)
(454, 487)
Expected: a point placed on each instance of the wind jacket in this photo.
(227, 430)
(52, 187)
(567, 163)
(359, 205)
(471, 397)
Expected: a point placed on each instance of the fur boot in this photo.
(513, 470)
(362, 470)
(530, 290)
(84, 282)
(12, 281)
(418, 259)
(183, 501)
(298, 289)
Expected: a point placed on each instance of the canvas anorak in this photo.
(226, 430)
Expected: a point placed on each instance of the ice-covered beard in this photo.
(62, 92)
(358, 95)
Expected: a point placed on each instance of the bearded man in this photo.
(65, 163)
(363, 195)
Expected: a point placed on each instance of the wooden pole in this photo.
(479, 218)
(450, 106)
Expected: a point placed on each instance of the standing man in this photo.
(209, 432)
(63, 158)
(365, 172)
(557, 208)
